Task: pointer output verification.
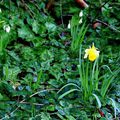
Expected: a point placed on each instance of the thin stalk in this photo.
(61, 12)
(80, 55)
(96, 76)
(83, 80)
(87, 68)
(81, 72)
(90, 82)
(93, 73)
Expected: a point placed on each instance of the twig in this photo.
(25, 99)
(61, 12)
(32, 103)
(102, 5)
(27, 7)
(37, 6)
(107, 25)
(99, 8)
(114, 3)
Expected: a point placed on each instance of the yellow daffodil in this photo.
(92, 53)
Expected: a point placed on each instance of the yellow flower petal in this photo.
(86, 53)
(85, 56)
(91, 53)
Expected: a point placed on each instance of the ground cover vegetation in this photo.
(59, 60)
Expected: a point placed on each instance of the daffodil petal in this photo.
(92, 53)
(85, 56)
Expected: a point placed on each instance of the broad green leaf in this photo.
(25, 32)
(50, 26)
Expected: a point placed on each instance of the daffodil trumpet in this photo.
(92, 53)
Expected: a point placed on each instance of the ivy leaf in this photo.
(50, 26)
(45, 116)
(25, 33)
(35, 27)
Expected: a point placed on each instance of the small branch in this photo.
(102, 5)
(32, 103)
(28, 97)
(112, 28)
(114, 3)
(28, 8)
(61, 12)
(100, 8)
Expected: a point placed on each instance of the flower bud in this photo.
(6, 28)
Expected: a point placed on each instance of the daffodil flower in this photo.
(92, 53)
